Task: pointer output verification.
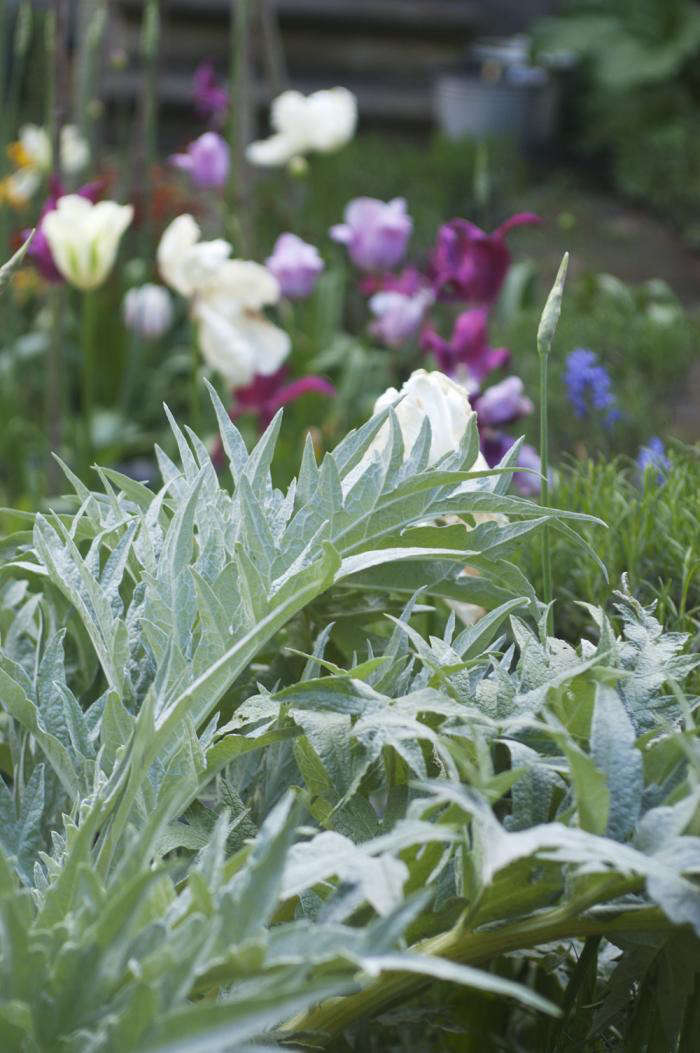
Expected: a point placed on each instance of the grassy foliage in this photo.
(654, 526)
(642, 337)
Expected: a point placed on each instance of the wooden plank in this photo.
(401, 102)
(420, 15)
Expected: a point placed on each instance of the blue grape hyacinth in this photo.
(589, 385)
(653, 455)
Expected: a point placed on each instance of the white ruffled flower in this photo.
(226, 301)
(186, 264)
(84, 238)
(445, 404)
(234, 336)
(323, 121)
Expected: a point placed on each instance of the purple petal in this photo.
(520, 219)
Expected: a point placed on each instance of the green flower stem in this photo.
(273, 50)
(150, 42)
(471, 948)
(195, 393)
(544, 492)
(4, 226)
(55, 389)
(240, 123)
(87, 365)
(92, 18)
(545, 338)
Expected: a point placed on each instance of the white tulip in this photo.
(84, 238)
(148, 310)
(185, 262)
(323, 121)
(445, 404)
(36, 146)
(235, 338)
(75, 151)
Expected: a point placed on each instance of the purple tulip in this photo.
(296, 265)
(527, 483)
(503, 403)
(207, 160)
(468, 346)
(376, 233)
(469, 264)
(398, 316)
(211, 98)
(39, 251)
(409, 281)
(495, 445)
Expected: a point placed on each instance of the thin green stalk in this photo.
(240, 124)
(87, 365)
(545, 338)
(92, 19)
(8, 117)
(273, 50)
(21, 42)
(195, 393)
(53, 393)
(544, 469)
(55, 389)
(150, 43)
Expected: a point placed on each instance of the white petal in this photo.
(270, 344)
(223, 346)
(331, 119)
(242, 284)
(288, 113)
(186, 263)
(36, 144)
(75, 152)
(272, 152)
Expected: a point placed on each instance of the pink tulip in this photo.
(375, 232)
(503, 403)
(207, 160)
(296, 265)
(398, 316)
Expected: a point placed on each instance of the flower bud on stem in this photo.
(545, 338)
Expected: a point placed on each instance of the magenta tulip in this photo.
(467, 347)
(468, 264)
